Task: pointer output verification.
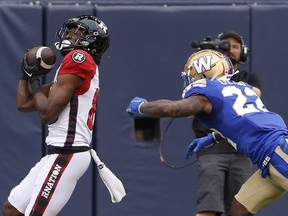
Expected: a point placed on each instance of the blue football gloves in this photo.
(197, 144)
(134, 106)
(284, 145)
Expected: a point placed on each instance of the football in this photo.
(47, 55)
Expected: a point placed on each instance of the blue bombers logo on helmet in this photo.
(208, 64)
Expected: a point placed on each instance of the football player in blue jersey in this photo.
(221, 169)
(233, 109)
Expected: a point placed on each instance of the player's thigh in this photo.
(258, 192)
(21, 194)
(278, 168)
(74, 171)
(57, 181)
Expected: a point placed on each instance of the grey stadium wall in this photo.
(149, 46)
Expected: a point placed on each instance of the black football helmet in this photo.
(95, 40)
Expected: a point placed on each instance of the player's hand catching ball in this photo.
(37, 61)
(29, 71)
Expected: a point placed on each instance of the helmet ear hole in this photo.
(93, 51)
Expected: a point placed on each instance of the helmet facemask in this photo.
(64, 45)
(94, 37)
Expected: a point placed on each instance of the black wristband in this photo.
(35, 85)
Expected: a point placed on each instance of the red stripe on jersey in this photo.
(72, 121)
(50, 184)
(91, 114)
(85, 69)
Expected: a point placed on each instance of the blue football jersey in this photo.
(241, 116)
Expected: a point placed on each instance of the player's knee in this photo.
(9, 210)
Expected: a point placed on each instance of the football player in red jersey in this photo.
(67, 106)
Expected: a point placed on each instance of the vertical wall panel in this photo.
(270, 54)
(20, 132)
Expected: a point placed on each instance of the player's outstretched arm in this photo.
(167, 108)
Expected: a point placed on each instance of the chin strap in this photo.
(215, 75)
(62, 44)
(187, 79)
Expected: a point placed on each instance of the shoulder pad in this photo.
(200, 83)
